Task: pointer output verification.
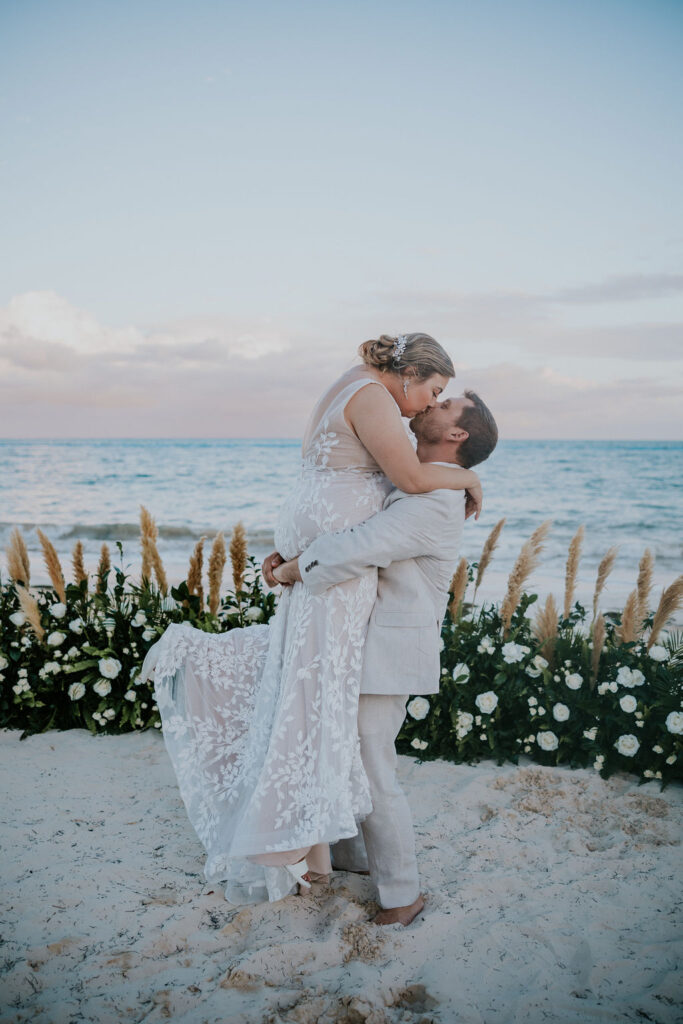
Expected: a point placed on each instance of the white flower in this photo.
(628, 703)
(109, 713)
(253, 614)
(671, 759)
(547, 740)
(573, 680)
(139, 619)
(22, 672)
(674, 722)
(109, 667)
(486, 702)
(630, 677)
(613, 686)
(418, 708)
(58, 610)
(461, 673)
(72, 652)
(56, 638)
(167, 604)
(591, 733)
(477, 719)
(627, 744)
(658, 653)
(532, 702)
(76, 625)
(463, 724)
(419, 744)
(102, 687)
(560, 712)
(603, 688)
(3, 662)
(52, 666)
(18, 618)
(513, 652)
(536, 667)
(442, 643)
(541, 711)
(486, 646)
(149, 634)
(657, 749)
(130, 695)
(76, 691)
(482, 736)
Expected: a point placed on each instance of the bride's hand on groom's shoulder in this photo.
(270, 563)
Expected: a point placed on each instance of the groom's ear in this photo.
(457, 434)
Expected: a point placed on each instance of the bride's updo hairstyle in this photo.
(422, 354)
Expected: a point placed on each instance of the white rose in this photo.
(58, 610)
(541, 711)
(674, 722)
(628, 703)
(253, 614)
(3, 662)
(418, 708)
(532, 702)
(461, 673)
(464, 724)
(76, 691)
(149, 634)
(598, 762)
(441, 643)
(573, 680)
(18, 618)
(109, 713)
(658, 653)
(560, 712)
(657, 749)
(630, 677)
(419, 744)
(109, 667)
(547, 740)
(130, 695)
(671, 759)
(486, 646)
(102, 687)
(139, 619)
(613, 686)
(486, 702)
(591, 733)
(627, 744)
(76, 625)
(536, 667)
(56, 638)
(513, 652)
(603, 688)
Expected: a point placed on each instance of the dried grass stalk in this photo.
(194, 575)
(487, 552)
(151, 559)
(527, 560)
(53, 565)
(604, 569)
(457, 588)
(644, 586)
(29, 607)
(545, 627)
(18, 564)
(77, 562)
(103, 569)
(598, 643)
(572, 569)
(238, 555)
(669, 603)
(627, 629)
(217, 560)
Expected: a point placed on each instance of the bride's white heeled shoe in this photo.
(297, 871)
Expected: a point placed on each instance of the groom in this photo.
(415, 541)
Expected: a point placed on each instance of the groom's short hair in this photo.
(479, 423)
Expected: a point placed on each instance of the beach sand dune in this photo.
(551, 896)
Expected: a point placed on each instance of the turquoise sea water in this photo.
(626, 493)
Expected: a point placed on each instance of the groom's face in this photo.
(438, 423)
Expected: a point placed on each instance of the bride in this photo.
(260, 722)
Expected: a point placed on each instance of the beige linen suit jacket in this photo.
(414, 541)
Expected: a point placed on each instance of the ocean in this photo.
(625, 493)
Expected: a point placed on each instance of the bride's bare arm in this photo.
(372, 414)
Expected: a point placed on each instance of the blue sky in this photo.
(202, 192)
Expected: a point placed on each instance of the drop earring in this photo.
(405, 387)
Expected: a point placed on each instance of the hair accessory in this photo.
(399, 348)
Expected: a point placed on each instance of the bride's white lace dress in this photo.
(260, 722)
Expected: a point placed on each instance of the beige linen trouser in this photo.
(386, 843)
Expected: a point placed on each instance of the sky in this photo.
(206, 206)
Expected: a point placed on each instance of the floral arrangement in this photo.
(590, 689)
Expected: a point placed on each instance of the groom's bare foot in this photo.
(400, 915)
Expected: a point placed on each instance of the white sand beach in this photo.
(551, 896)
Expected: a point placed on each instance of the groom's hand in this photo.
(270, 563)
(288, 573)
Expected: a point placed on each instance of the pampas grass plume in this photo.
(53, 565)
(527, 560)
(627, 629)
(545, 627)
(151, 559)
(18, 564)
(194, 575)
(669, 603)
(217, 560)
(487, 552)
(29, 607)
(598, 642)
(644, 585)
(103, 567)
(572, 569)
(604, 569)
(458, 587)
(77, 562)
(238, 555)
